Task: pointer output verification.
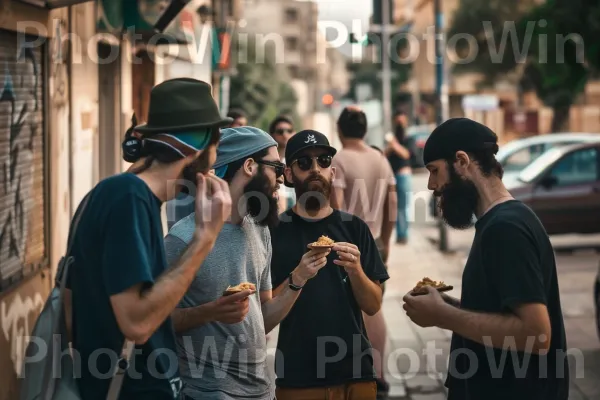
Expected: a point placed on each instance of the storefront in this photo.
(23, 197)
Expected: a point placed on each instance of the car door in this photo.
(567, 198)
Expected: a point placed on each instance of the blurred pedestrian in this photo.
(121, 291)
(323, 342)
(365, 186)
(399, 155)
(282, 129)
(221, 339)
(238, 116)
(508, 338)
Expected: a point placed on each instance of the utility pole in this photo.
(441, 92)
(386, 71)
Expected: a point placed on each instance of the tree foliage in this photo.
(261, 86)
(556, 46)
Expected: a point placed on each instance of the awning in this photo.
(139, 17)
(50, 4)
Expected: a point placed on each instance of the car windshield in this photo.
(536, 167)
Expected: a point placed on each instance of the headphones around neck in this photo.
(132, 145)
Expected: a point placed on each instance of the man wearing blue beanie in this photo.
(222, 339)
(508, 337)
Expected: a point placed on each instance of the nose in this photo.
(314, 166)
(280, 179)
(431, 185)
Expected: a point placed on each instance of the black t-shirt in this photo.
(118, 244)
(323, 341)
(397, 162)
(511, 263)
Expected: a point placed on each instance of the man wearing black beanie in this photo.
(508, 338)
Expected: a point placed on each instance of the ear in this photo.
(288, 174)
(332, 173)
(249, 167)
(462, 160)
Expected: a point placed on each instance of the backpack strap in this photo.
(61, 280)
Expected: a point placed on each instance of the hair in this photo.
(486, 160)
(352, 123)
(277, 121)
(236, 113)
(234, 166)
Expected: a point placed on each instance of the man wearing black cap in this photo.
(509, 338)
(323, 342)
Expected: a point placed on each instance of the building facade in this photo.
(68, 88)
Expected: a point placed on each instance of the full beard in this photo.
(260, 203)
(458, 201)
(313, 193)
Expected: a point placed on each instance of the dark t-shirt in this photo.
(511, 263)
(322, 341)
(119, 243)
(397, 162)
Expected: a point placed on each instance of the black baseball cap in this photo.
(303, 140)
(458, 134)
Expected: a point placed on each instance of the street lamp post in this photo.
(441, 96)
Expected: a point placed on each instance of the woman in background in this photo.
(399, 155)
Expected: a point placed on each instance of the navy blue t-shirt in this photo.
(119, 244)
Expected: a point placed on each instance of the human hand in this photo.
(385, 253)
(425, 310)
(349, 257)
(310, 263)
(232, 309)
(213, 205)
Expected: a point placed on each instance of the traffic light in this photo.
(377, 10)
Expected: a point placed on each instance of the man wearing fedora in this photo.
(323, 340)
(121, 291)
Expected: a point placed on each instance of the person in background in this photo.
(323, 338)
(282, 129)
(238, 116)
(508, 339)
(399, 156)
(365, 186)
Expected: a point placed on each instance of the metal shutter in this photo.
(22, 159)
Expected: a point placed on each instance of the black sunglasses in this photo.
(281, 131)
(279, 166)
(305, 162)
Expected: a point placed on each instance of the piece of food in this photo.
(323, 241)
(239, 288)
(439, 285)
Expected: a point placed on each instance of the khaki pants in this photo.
(350, 391)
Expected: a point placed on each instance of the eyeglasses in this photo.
(281, 131)
(305, 162)
(279, 166)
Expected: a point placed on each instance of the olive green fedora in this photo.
(182, 104)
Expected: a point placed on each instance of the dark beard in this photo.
(458, 201)
(256, 191)
(200, 165)
(310, 194)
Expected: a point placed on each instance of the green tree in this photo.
(544, 43)
(260, 87)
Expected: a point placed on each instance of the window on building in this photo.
(291, 15)
(291, 43)
(294, 71)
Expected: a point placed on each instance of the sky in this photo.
(344, 11)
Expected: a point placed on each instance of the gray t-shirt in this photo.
(225, 361)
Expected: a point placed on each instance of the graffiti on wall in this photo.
(15, 317)
(18, 100)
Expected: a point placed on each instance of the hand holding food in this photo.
(239, 288)
(311, 262)
(233, 306)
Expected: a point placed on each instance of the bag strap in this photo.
(128, 345)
